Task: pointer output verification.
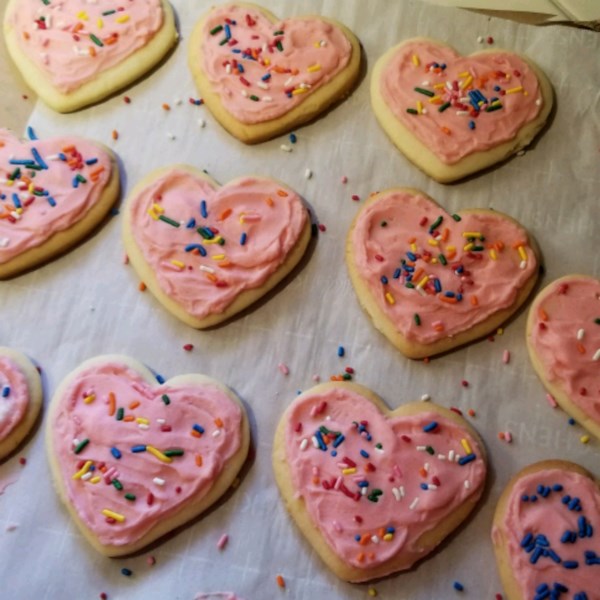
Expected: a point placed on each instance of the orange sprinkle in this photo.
(450, 254)
(128, 418)
(96, 172)
(446, 130)
(195, 433)
(412, 240)
(112, 404)
(423, 472)
(501, 435)
(316, 480)
(2, 144)
(142, 286)
(580, 348)
(381, 532)
(198, 460)
(499, 246)
(25, 35)
(166, 106)
(78, 27)
(211, 277)
(417, 275)
(225, 263)
(92, 51)
(542, 314)
(439, 328)
(517, 244)
(282, 193)
(448, 300)
(280, 581)
(109, 41)
(360, 557)
(445, 234)
(365, 538)
(134, 404)
(474, 301)
(226, 213)
(68, 149)
(471, 412)
(295, 72)
(218, 422)
(269, 201)
(115, 134)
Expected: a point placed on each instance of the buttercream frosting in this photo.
(111, 433)
(459, 105)
(45, 187)
(260, 69)
(565, 336)
(220, 242)
(14, 396)
(428, 275)
(546, 534)
(72, 41)
(374, 485)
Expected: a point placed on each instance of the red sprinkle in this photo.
(464, 383)
(355, 198)
(379, 257)
(103, 596)
(322, 227)
(456, 410)
(349, 370)
(406, 438)
(562, 288)
(22, 461)
(150, 499)
(298, 428)
(490, 40)
(127, 99)
(423, 221)
(151, 561)
(188, 347)
(471, 412)
(358, 518)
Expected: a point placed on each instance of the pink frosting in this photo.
(551, 517)
(58, 37)
(163, 427)
(37, 220)
(518, 93)
(14, 396)
(271, 215)
(258, 83)
(564, 312)
(398, 225)
(391, 455)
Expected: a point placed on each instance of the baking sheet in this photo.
(87, 303)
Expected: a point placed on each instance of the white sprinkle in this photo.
(158, 481)
(596, 355)
(216, 433)
(580, 334)
(457, 457)
(467, 484)
(338, 482)
(178, 101)
(170, 136)
(244, 93)
(375, 539)
(206, 269)
(202, 123)
(308, 174)
(396, 493)
(267, 99)
(228, 69)
(304, 444)
(425, 398)
(424, 111)
(161, 421)
(222, 541)
(426, 467)
(315, 441)
(143, 426)
(288, 82)
(421, 448)
(523, 264)
(285, 148)
(441, 456)
(448, 85)
(451, 455)
(425, 83)
(323, 43)
(480, 39)
(75, 442)
(538, 102)
(262, 85)
(4, 242)
(413, 504)
(432, 486)
(87, 476)
(401, 490)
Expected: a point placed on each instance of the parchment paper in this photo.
(88, 303)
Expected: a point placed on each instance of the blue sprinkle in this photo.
(115, 452)
(411, 256)
(236, 51)
(525, 498)
(559, 587)
(533, 498)
(6, 391)
(581, 523)
(390, 529)
(240, 68)
(566, 537)
(566, 499)
(62, 156)
(31, 133)
(321, 441)
(557, 487)
(92, 467)
(363, 484)
(555, 557)
(527, 540)
(545, 491)
(203, 210)
(571, 421)
(589, 530)
(423, 486)
(338, 440)
(437, 285)
(542, 540)
(25, 162)
(160, 378)
(459, 297)
(198, 247)
(471, 124)
(293, 138)
(75, 182)
(574, 504)
(430, 426)
(16, 201)
(266, 77)
(466, 459)
(458, 586)
(449, 294)
(357, 537)
(227, 32)
(38, 159)
(570, 564)
(191, 223)
(364, 454)
(243, 238)
(580, 596)
(541, 588)
(341, 352)
(334, 453)
(536, 555)
(384, 280)
(138, 448)
(198, 428)
(91, 161)
(126, 572)
(397, 273)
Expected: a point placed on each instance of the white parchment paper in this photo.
(88, 303)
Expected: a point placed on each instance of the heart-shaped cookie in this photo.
(52, 194)
(545, 533)
(20, 398)
(133, 459)
(563, 339)
(433, 281)
(261, 77)
(206, 251)
(73, 53)
(453, 115)
(374, 490)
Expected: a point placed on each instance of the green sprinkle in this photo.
(174, 452)
(456, 217)
(108, 12)
(117, 484)
(493, 108)
(216, 30)
(166, 399)
(279, 46)
(374, 495)
(430, 450)
(436, 223)
(169, 221)
(384, 223)
(254, 98)
(80, 178)
(477, 248)
(424, 92)
(46, 2)
(597, 321)
(442, 259)
(444, 106)
(281, 32)
(15, 174)
(412, 111)
(81, 445)
(130, 497)
(120, 414)
(417, 320)
(96, 40)
(221, 241)
(223, 42)
(379, 446)
(347, 377)
(410, 285)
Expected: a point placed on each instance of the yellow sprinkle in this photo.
(465, 444)
(390, 298)
(435, 99)
(499, 331)
(413, 247)
(215, 240)
(83, 470)
(471, 234)
(450, 248)
(522, 253)
(464, 74)
(142, 420)
(423, 281)
(467, 82)
(89, 399)
(415, 60)
(317, 44)
(468, 247)
(439, 86)
(298, 91)
(158, 208)
(584, 439)
(433, 242)
(95, 479)
(419, 107)
(10, 182)
(159, 454)
(178, 263)
(218, 257)
(515, 90)
(31, 188)
(493, 254)
(152, 213)
(113, 515)
(372, 592)
(82, 15)
(19, 211)
(434, 261)
(388, 537)
(314, 68)
(122, 19)
(349, 471)
(100, 23)
(267, 62)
